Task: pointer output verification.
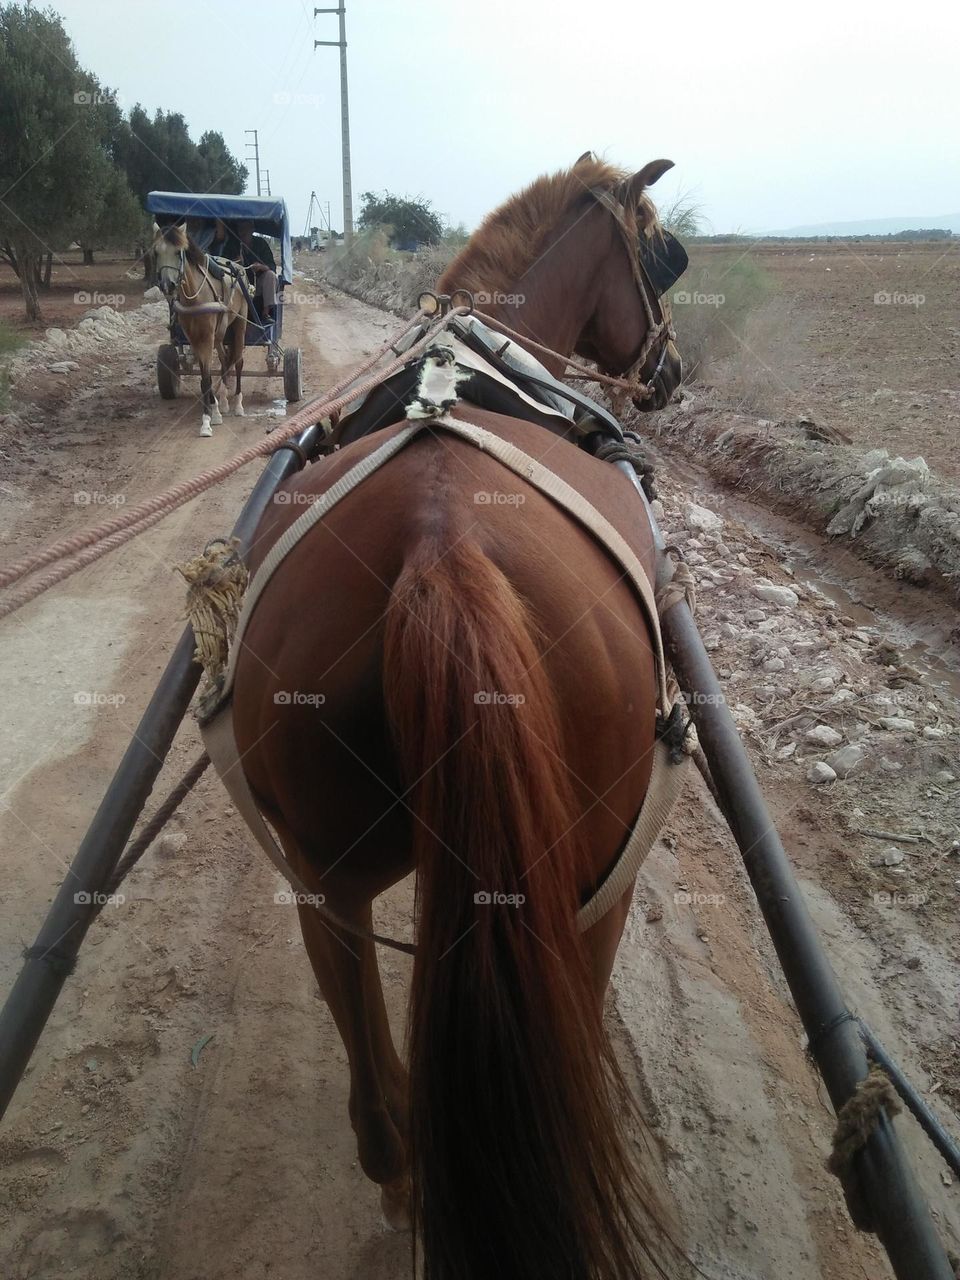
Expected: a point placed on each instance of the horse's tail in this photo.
(520, 1165)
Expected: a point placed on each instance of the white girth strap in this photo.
(667, 778)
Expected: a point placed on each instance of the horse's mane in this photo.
(176, 236)
(510, 239)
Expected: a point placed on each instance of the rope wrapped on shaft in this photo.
(856, 1121)
(216, 580)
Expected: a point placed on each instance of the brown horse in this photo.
(211, 312)
(465, 687)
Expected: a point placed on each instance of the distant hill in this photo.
(874, 226)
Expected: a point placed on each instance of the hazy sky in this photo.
(774, 115)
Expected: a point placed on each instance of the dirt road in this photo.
(123, 1159)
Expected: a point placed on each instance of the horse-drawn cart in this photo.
(269, 217)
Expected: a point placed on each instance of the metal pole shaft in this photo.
(345, 127)
(48, 962)
(901, 1218)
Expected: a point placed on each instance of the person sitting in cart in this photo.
(214, 238)
(224, 243)
(257, 256)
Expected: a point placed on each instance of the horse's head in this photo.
(629, 333)
(169, 247)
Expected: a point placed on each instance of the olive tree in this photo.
(55, 173)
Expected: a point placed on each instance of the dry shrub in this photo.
(762, 372)
(737, 334)
(392, 278)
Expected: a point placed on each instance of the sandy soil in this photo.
(122, 1159)
(864, 337)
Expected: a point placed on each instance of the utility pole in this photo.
(341, 44)
(266, 180)
(256, 153)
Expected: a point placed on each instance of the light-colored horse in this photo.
(211, 312)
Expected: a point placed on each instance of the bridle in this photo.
(658, 330)
(178, 276)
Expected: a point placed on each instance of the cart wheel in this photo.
(292, 375)
(168, 371)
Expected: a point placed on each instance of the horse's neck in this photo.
(558, 292)
(192, 279)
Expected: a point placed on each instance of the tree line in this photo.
(74, 168)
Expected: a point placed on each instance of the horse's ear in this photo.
(587, 155)
(647, 176)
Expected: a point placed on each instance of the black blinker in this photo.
(663, 258)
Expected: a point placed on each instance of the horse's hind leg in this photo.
(346, 969)
(235, 346)
(238, 397)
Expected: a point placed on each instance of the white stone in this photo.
(898, 724)
(153, 294)
(63, 366)
(933, 734)
(774, 664)
(785, 597)
(700, 519)
(821, 735)
(846, 760)
(821, 772)
(785, 752)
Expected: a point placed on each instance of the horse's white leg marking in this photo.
(206, 429)
(238, 405)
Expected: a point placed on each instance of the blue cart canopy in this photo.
(267, 213)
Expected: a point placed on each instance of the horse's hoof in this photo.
(395, 1204)
(206, 430)
(238, 408)
(216, 419)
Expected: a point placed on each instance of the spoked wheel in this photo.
(292, 375)
(168, 371)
